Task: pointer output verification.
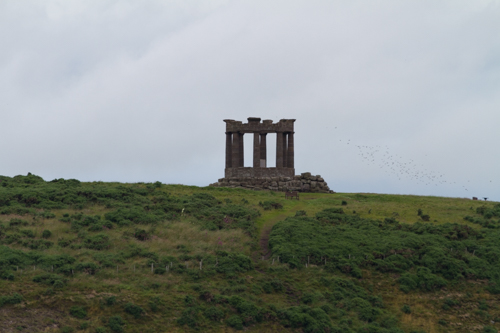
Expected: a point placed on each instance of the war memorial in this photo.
(261, 177)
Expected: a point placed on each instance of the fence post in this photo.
(151, 268)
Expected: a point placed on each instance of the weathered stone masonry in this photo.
(260, 177)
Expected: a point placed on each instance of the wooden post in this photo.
(151, 268)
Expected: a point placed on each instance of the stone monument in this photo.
(260, 176)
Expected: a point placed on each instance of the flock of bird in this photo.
(401, 168)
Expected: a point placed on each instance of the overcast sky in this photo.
(388, 96)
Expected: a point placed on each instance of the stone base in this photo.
(303, 183)
(258, 172)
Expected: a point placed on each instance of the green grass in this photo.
(275, 289)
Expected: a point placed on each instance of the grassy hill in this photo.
(112, 257)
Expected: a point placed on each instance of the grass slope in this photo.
(110, 257)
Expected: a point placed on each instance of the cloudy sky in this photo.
(389, 96)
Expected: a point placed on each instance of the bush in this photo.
(406, 309)
(49, 279)
(110, 301)
(154, 303)
(97, 242)
(100, 330)
(268, 205)
(14, 299)
(46, 234)
(235, 322)
(189, 317)
(300, 213)
(141, 234)
(116, 323)
(67, 329)
(214, 313)
(134, 310)
(78, 312)
(489, 329)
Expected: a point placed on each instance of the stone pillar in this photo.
(279, 149)
(256, 150)
(263, 150)
(235, 155)
(285, 151)
(290, 157)
(242, 162)
(229, 149)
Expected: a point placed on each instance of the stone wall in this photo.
(248, 172)
(303, 183)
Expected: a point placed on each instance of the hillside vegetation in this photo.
(148, 257)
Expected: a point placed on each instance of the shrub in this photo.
(67, 329)
(489, 329)
(49, 279)
(300, 213)
(46, 234)
(141, 234)
(78, 312)
(100, 330)
(154, 303)
(116, 323)
(110, 300)
(235, 322)
(268, 205)
(97, 242)
(134, 310)
(344, 203)
(425, 217)
(189, 317)
(406, 309)
(214, 313)
(14, 299)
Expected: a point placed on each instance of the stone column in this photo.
(242, 162)
(279, 150)
(263, 150)
(291, 156)
(229, 149)
(235, 155)
(256, 150)
(285, 151)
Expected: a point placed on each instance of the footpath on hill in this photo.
(268, 219)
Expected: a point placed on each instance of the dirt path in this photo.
(269, 221)
(264, 242)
